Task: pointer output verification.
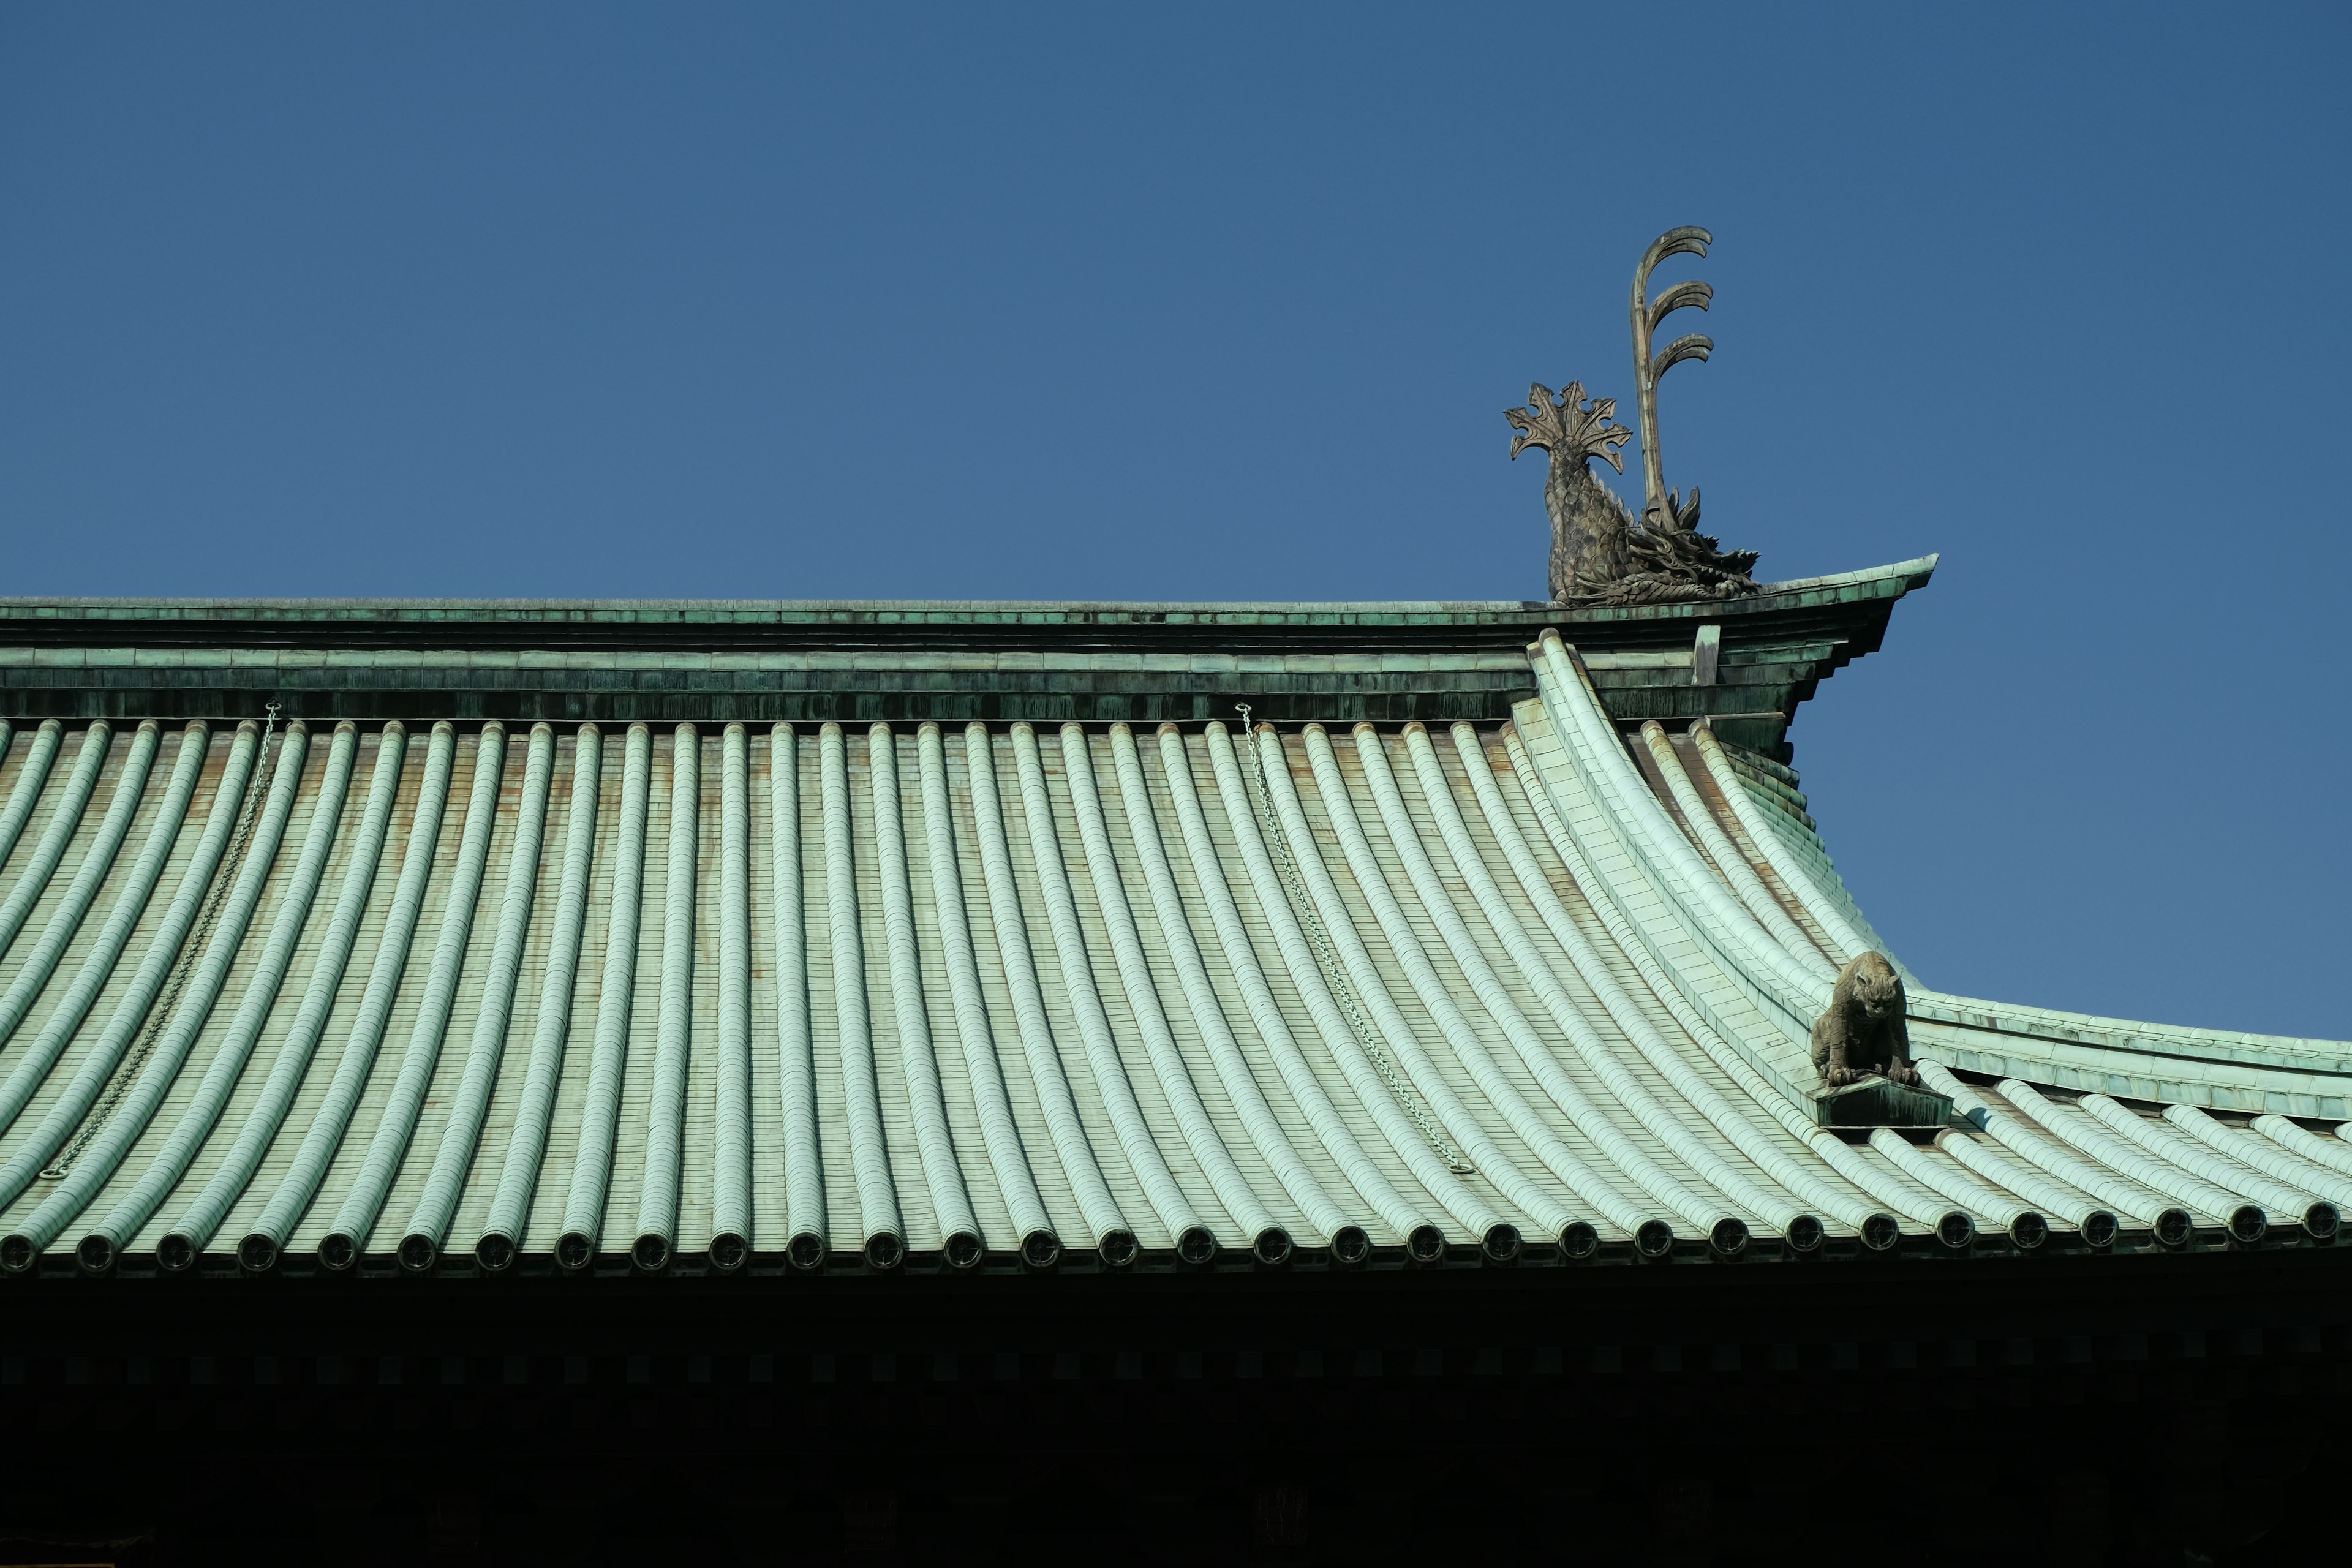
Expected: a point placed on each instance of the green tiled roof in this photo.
(1372, 981)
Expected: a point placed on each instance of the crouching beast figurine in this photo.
(1863, 1032)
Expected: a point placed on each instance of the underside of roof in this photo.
(1534, 983)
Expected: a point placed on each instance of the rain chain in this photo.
(1335, 975)
(191, 955)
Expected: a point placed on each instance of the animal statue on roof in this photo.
(1863, 1031)
(1599, 553)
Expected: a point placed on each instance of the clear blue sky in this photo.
(1129, 302)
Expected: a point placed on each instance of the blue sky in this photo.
(1227, 303)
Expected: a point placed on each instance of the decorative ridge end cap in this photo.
(1877, 1102)
(1920, 568)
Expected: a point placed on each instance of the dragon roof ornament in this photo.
(1599, 553)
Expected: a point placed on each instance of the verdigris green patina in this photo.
(667, 661)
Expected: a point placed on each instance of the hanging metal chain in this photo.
(159, 1018)
(1335, 974)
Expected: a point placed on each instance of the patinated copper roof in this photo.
(969, 981)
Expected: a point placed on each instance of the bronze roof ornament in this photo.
(1660, 509)
(1600, 554)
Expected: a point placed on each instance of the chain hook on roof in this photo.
(1335, 974)
(159, 1018)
